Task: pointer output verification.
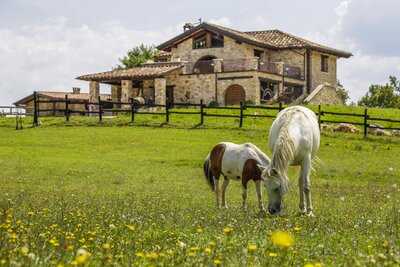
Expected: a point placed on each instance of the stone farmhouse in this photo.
(224, 66)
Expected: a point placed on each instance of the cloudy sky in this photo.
(45, 44)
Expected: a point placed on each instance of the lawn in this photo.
(93, 195)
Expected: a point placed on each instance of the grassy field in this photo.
(136, 196)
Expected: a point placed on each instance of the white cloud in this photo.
(49, 56)
(224, 21)
(364, 68)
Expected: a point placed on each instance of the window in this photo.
(208, 40)
(200, 42)
(324, 63)
(258, 53)
(217, 40)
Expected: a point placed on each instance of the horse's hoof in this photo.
(225, 206)
(310, 214)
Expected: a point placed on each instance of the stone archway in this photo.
(204, 65)
(234, 94)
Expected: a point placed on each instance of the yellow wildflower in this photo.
(212, 244)
(272, 254)
(199, 230)
(24, 250)
(228, 230)
(139, 254)
(217, 262)
(82, 256)
(318, 264)
(152, 255)
(106, 246)
(130, 227)
(207, 250)
(54, 242)
(297, 228)
(282, 239)
(251, 248)
(308, 265)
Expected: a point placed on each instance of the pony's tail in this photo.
(207, 173)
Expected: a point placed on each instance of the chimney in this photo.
(188, 26)
(76, 90)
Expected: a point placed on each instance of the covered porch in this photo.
(147, 83)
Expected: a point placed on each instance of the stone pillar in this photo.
(253, 64)
(217, 64)
(126, 92)
(160, 85)
(257, 86)
(280, 89)
(94, 92)
(279, 67)
(116, 94)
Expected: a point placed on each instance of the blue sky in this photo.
(45, 44)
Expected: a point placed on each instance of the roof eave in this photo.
(210, 27)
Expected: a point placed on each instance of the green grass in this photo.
(141, 190)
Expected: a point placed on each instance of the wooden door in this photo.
(234, 94)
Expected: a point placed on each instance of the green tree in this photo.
(342, 92)
(384, 96)
(137, 56)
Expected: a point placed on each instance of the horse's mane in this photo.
(283, 150)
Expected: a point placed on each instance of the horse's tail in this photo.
(208, 174)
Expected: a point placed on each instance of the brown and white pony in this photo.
(235, 162)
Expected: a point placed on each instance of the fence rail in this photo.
(203, 111)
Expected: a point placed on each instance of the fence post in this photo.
(241, 114)
(35, 109)
(167, 112)
(100, 111)
(319, 117)
(280, 106)
(66, 108)
(201, 112)
(365, 122)
(132, 110)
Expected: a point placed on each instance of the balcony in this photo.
(243, 64)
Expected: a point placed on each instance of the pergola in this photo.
(125, 83)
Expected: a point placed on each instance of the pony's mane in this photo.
(283, 151)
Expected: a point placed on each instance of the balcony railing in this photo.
(244, 64)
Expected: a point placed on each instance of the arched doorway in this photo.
(204, 65)
(234, 94)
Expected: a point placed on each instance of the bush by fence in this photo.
(203, 111)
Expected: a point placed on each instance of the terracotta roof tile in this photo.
(282, 39)
(151, 70)
(274, 39)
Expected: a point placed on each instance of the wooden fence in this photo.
(203, 111)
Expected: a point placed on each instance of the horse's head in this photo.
(276, 185)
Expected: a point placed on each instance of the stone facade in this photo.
(160, 85)
(324, 94)
(191, 87)
(231, 50)
(319, 77)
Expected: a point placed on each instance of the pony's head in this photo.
(276, 185)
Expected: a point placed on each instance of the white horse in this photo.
(235, 162)
(294, 140)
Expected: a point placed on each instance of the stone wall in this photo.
(231, 50)
(324, 94)
(55, 106)
(319, 77)
(194, 87)
(292, 57)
